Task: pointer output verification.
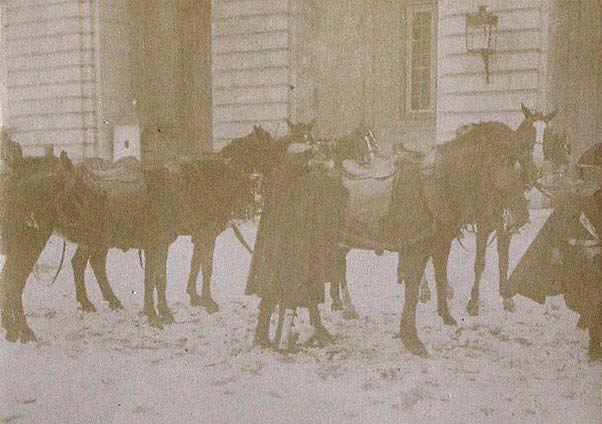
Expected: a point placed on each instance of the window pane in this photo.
(421, 61)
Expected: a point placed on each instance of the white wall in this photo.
(51, 87)
(250, 47)
(517, 69)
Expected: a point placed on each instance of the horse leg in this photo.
(161, 284)
(503, 247)
(262, 331)
(150, 274)
(207, 267)
(27, 253)
(425, 291)
(286, 338)
(321, 335)
(98, 261)
(479, 267)
(595, 334)
(335, 296)
(412, 271)
(349, 311)
(440, 264)
(79, 262)
(195, 267)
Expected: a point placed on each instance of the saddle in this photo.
(371, 223)
(126, 199)
(369, 189)
(127, 169)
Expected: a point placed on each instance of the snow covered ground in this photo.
(530, 366)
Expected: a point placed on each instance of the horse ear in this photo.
(547, 118)
(66, 161)
(526, 111)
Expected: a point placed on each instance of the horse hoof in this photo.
(336, 306)
(595, 354)
(262, 342)
(448, 319)
(195, 300)
(87, 307)
(12, 335)
(320, 338)
(166, 318)
(350, 314)
(509, 305)
(27, 335)
(414, 345)
(210, 306)
(473, 309)
(115, 305)
(155, 322)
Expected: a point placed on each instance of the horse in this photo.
(526, 137)
(555, 148)
(473, 178)
(39, 195)
(220, 193)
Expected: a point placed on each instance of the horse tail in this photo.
(140, 259)
(241, 239)
(60, 263)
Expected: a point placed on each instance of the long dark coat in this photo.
(298, 235)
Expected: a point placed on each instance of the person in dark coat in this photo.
(296, 243)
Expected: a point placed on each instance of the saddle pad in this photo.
(369, 199)
(379, 168)
(127, 169)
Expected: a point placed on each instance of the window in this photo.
(421, 59)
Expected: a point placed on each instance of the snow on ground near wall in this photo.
(530, 366)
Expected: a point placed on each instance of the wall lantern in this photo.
(481, 35)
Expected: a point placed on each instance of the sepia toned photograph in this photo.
(300, 211)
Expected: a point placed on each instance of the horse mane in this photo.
(464, 165)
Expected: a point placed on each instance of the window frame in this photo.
(412, 9)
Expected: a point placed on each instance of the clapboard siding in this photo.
(251, 78)
(229, 9)
(51, 77)
(517, 67)
(75, 89)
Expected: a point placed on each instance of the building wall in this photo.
(51, 86)
(171, 72)
(351, 67)
(518, 68)
(574, 83)
(3, 94)
(251, 68)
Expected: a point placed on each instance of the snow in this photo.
(530, 366)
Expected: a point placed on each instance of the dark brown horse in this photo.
(219, 191)
(475, 179)
(39, 195)
(525, 138)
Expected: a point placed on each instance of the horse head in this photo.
(300, 132)
(11, 152)
(360, 145)
(528, 141)
(556, 148)
(256, 152)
